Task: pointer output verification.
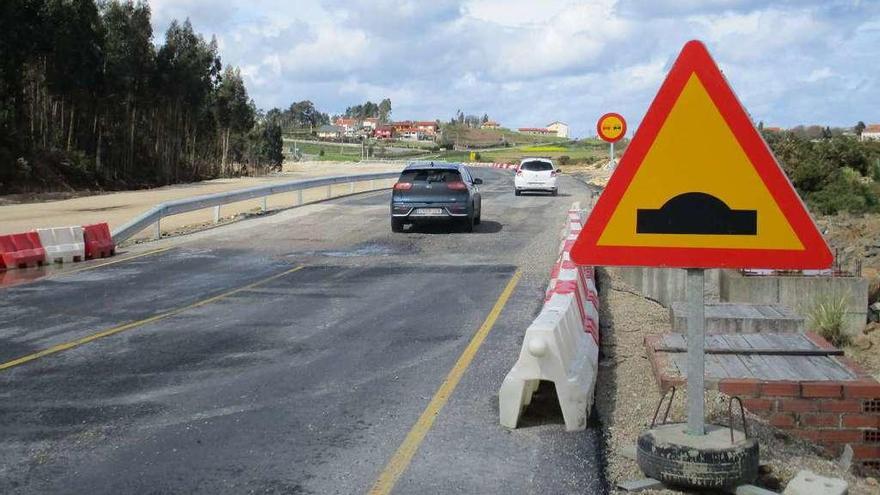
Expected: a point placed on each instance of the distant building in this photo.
(490, 124)
(370, 123)
(536, 131)
(330, 132)
(428, 128)
(384, 132)
(560, 128)
(419, 130)
(348, 125)
(871, 133)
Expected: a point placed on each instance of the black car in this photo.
(436, 191)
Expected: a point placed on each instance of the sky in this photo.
(529, 63)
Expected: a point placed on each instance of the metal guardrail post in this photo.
(351, 188)
(329, 191)
(265, 205)
(217, 214)
(299, 197)
(159, 228)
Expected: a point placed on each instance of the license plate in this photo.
(428, 212)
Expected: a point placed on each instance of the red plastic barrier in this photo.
(99, 244)
(21, 250)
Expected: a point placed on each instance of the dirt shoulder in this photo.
(626, 395)
(120, 207)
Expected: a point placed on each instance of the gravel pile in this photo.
(627, 394)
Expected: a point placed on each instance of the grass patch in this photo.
(542, 149)
(826, 318)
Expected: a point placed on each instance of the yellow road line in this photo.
(401, 459)
(113, 262)
(134, 324)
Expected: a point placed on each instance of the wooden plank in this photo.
(772, 351)
(779, 367)
(803, 368)
(714, 370)
(831, 368)
(734, 366)
(679, 339)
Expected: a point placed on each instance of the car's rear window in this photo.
(428, 175)
(536, 166)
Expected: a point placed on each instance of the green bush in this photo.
(564, 160)
(321, 152)
(826, 318)
(844, 192)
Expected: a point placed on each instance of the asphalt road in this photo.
(290, 353)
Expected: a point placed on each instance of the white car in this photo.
(535, 174)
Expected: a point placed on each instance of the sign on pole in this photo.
(698, 187)
(611, 127)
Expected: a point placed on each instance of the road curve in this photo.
(290, 354)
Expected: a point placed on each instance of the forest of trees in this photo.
(88, 100)
(472, 121)
(381, 111)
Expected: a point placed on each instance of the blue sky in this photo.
(528, 63)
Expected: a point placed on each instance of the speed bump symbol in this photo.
(696, 213)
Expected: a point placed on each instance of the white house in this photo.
(560, 128)
(871, 133)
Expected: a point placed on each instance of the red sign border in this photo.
(605, 138)
(695, 59)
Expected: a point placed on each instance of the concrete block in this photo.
(810, 483)
(753, 490)
(730, 318)
(640, 485)
(799, 293)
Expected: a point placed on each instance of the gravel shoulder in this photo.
(627, 394)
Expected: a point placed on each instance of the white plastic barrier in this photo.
(557, 349)
(63, 244)
(561, 345)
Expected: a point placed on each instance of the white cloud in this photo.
(528, 63)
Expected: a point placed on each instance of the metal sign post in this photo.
(612, 151)
(696, 348)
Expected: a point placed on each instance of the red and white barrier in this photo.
(509, 166)
(562, 344)
(21, 250)
(62, 244)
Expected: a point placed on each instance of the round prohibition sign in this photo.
(611, 127)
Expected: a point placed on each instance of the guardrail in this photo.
(155, 215)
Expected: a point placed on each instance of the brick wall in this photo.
(829, 413)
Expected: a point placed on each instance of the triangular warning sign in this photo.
(699, 188)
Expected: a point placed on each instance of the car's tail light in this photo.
(457, 209)
(403, 186)
(519, 172)
(456, 186)
(553, 174)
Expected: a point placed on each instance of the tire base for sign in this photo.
(668, 454)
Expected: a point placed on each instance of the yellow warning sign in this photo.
(712, 163)
(698, 187)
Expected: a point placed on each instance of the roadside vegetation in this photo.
(833, 172)
(87, 100)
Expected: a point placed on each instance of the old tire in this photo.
(712, 462)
